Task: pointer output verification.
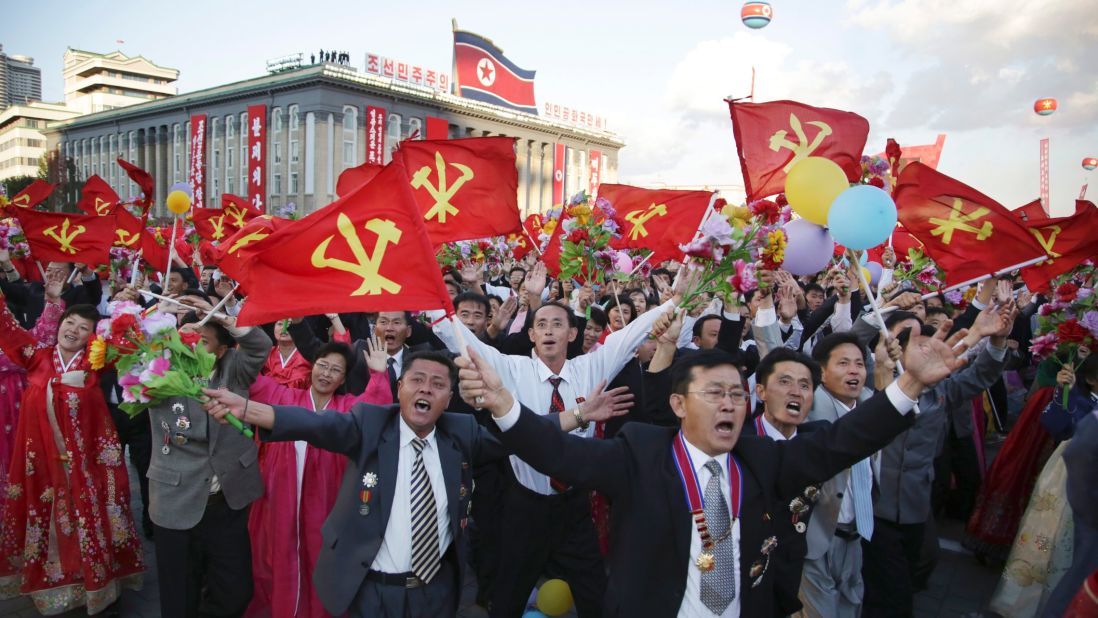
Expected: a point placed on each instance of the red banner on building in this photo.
(558, 174)
(257, 157)
(1044, 175)
(437, 128)
(596, 173)
(375, 135)
(197, 174)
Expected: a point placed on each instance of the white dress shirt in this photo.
(527, 377)
(398, 359)
(395, 553)
(772, 431)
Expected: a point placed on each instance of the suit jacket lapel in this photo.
(388, 455)
(682, 523)
(450, 458)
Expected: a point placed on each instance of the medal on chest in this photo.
(695, 501)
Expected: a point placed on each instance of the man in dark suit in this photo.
(393, 544)
(27, 299)
(689, 538)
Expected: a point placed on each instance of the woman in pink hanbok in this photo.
(301, 483)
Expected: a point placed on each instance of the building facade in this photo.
(316, 127)
(101, 82)
(22, 143)
(20, 80)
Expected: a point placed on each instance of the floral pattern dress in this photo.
(67, 537)
(13, 379)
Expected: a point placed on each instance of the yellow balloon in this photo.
(554, 597)
(868, 275)
(178, 202)
(812, 185)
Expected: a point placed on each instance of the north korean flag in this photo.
(483, 73)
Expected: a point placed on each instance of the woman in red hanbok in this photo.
(67, 538)
(286, 365)
(301, 483)
(13, 379)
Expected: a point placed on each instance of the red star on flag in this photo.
(485, 71)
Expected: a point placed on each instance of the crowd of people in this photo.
(787, 452)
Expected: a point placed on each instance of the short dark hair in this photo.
(612, 302)
(682, 372)
(518, 268)
(406, 314)
(896, 317)
(336, 347)
(935, 310)
(822, 352)
(434, 356)
(1086, 370)
(86, 311)
(559, 305)
(783, 355)
(701, 323)
(473, 297)
(813, 287)
(222, 334)
(660, 271)
(597, 315)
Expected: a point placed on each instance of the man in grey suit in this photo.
(202, 478)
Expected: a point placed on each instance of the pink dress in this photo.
(294, 372)
(13, 379)
(301, 483)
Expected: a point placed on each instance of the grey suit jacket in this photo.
(179, 480)
(825, 513)
(370, 437)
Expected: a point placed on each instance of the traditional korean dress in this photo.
(300, 487)
(67, 537)
(293, 371)
(13, 379)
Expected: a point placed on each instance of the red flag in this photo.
(483, 73)
(550, 255)
(1033, 212)
(354, 177)
(232, 253)
(64, 237)
(967, 233)
(34, 194)
(143, 180)
(465, 188)
(368, 251)
(128, 233)
(97, 197)
(772, 137)
(659, 220)
(1067, 241)
(212, 223)
(238, 210)
(156, 252)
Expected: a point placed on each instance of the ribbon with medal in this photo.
(695, 500)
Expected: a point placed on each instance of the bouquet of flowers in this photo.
(588, 227)
(12, 238)
(920, 270)
(154, 360)
(876, 172)
(1068, 322)
(484, 251)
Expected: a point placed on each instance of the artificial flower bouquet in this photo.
(1069, 321)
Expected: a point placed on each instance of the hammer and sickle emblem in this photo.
(247, 240)
(442, 193)
(367, 265)
(66, 236)
(1050, 242)
(639, 217)
(237, 215)
(218, 224)
(22, 201)
(125, 238)
(102, 206)
(959, 221)
(802, 147)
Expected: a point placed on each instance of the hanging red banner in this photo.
(375, 135)
(558, 174)
(257, 157)
(596, 173)
(197, 174)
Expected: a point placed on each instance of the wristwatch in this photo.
(579, 419)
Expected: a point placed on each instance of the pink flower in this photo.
(1042, 347)
(160, 365)
(744, 280)
(700, 248)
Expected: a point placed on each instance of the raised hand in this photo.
(506, 312)
(480, 386)
(602, 405)
(929, 360)
(375, 355)
(1065, 377)
(787, 303)
(535, 280)
(1004, 292)
(888, 257)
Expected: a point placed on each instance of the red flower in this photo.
(578, 235)
(189, 338)
(1071, 331)
(781, 201)
(1067, 292)
(766, 210)
(877, 182)
(122, 324)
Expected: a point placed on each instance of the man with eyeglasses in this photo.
(694, 527)
(546, 526)
(27, 299)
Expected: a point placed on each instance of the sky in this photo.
(971, 69)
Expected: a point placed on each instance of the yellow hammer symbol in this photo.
(639, 217)
(802, 147)
(367, 265)
(1050, 242)
(959, 221)
(66, 237)
(441, 193)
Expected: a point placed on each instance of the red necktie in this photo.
(556, 406)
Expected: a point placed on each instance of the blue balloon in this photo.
(862, 217)
(874, 272)
(534, 614)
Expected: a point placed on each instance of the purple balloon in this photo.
(874, 272)
(810, 247)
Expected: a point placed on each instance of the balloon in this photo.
(554, 597)
(809, 248)
(756, 15)
(874, 271)
(867, 274)
(862, 217)
(623, 263)
(534, 614)
(812, 185)
(178, 202)
(185, 187)
(1044, 107)
(1090, 163)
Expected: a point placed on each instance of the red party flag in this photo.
(465, 188)
(128, 233)
(65, 237)
(965, 232)
(1067, 241)
(550, 255)
(367, 251)
(773, 137)
(238, 209)
(212, 223)
(143, 180)
(35, 193)
(97, 197)
(658, 220)
(354, 177)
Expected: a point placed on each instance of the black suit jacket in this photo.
(370, 437)
(27, 300)
(651, 524)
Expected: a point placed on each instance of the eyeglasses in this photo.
(716, 395)
(329, 369)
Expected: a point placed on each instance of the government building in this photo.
(319, 120)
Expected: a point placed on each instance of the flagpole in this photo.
(219, 305)
(464, 348)
(171, 254)
(41, 271)
(533, 242)
(135, 267)
(965, 284)
(216, 314)
(642, 263)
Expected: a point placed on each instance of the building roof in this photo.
(342, 76)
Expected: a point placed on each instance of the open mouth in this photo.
(70, 338)
(853, 384)
(794, 408)
(422, 405)
(725, 427)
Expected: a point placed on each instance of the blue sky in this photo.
(914, 68)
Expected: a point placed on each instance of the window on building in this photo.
(276, 120)
(244, 132)
(415, 129)
(293, 183)
(228, 158)
(350, 135)
(177, 152)
(292, 113)
(230, 127)
(216, 156)
(392, 134)
(215, 128)
(295, 152)
(132, 141)
(111, 155)
(276, 184)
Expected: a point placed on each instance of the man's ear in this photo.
(678, 405)
(572, 333)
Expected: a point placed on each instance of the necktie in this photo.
(556, 406)
(718, 585)
(861, 483)
(425, 556)
(391, 363)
